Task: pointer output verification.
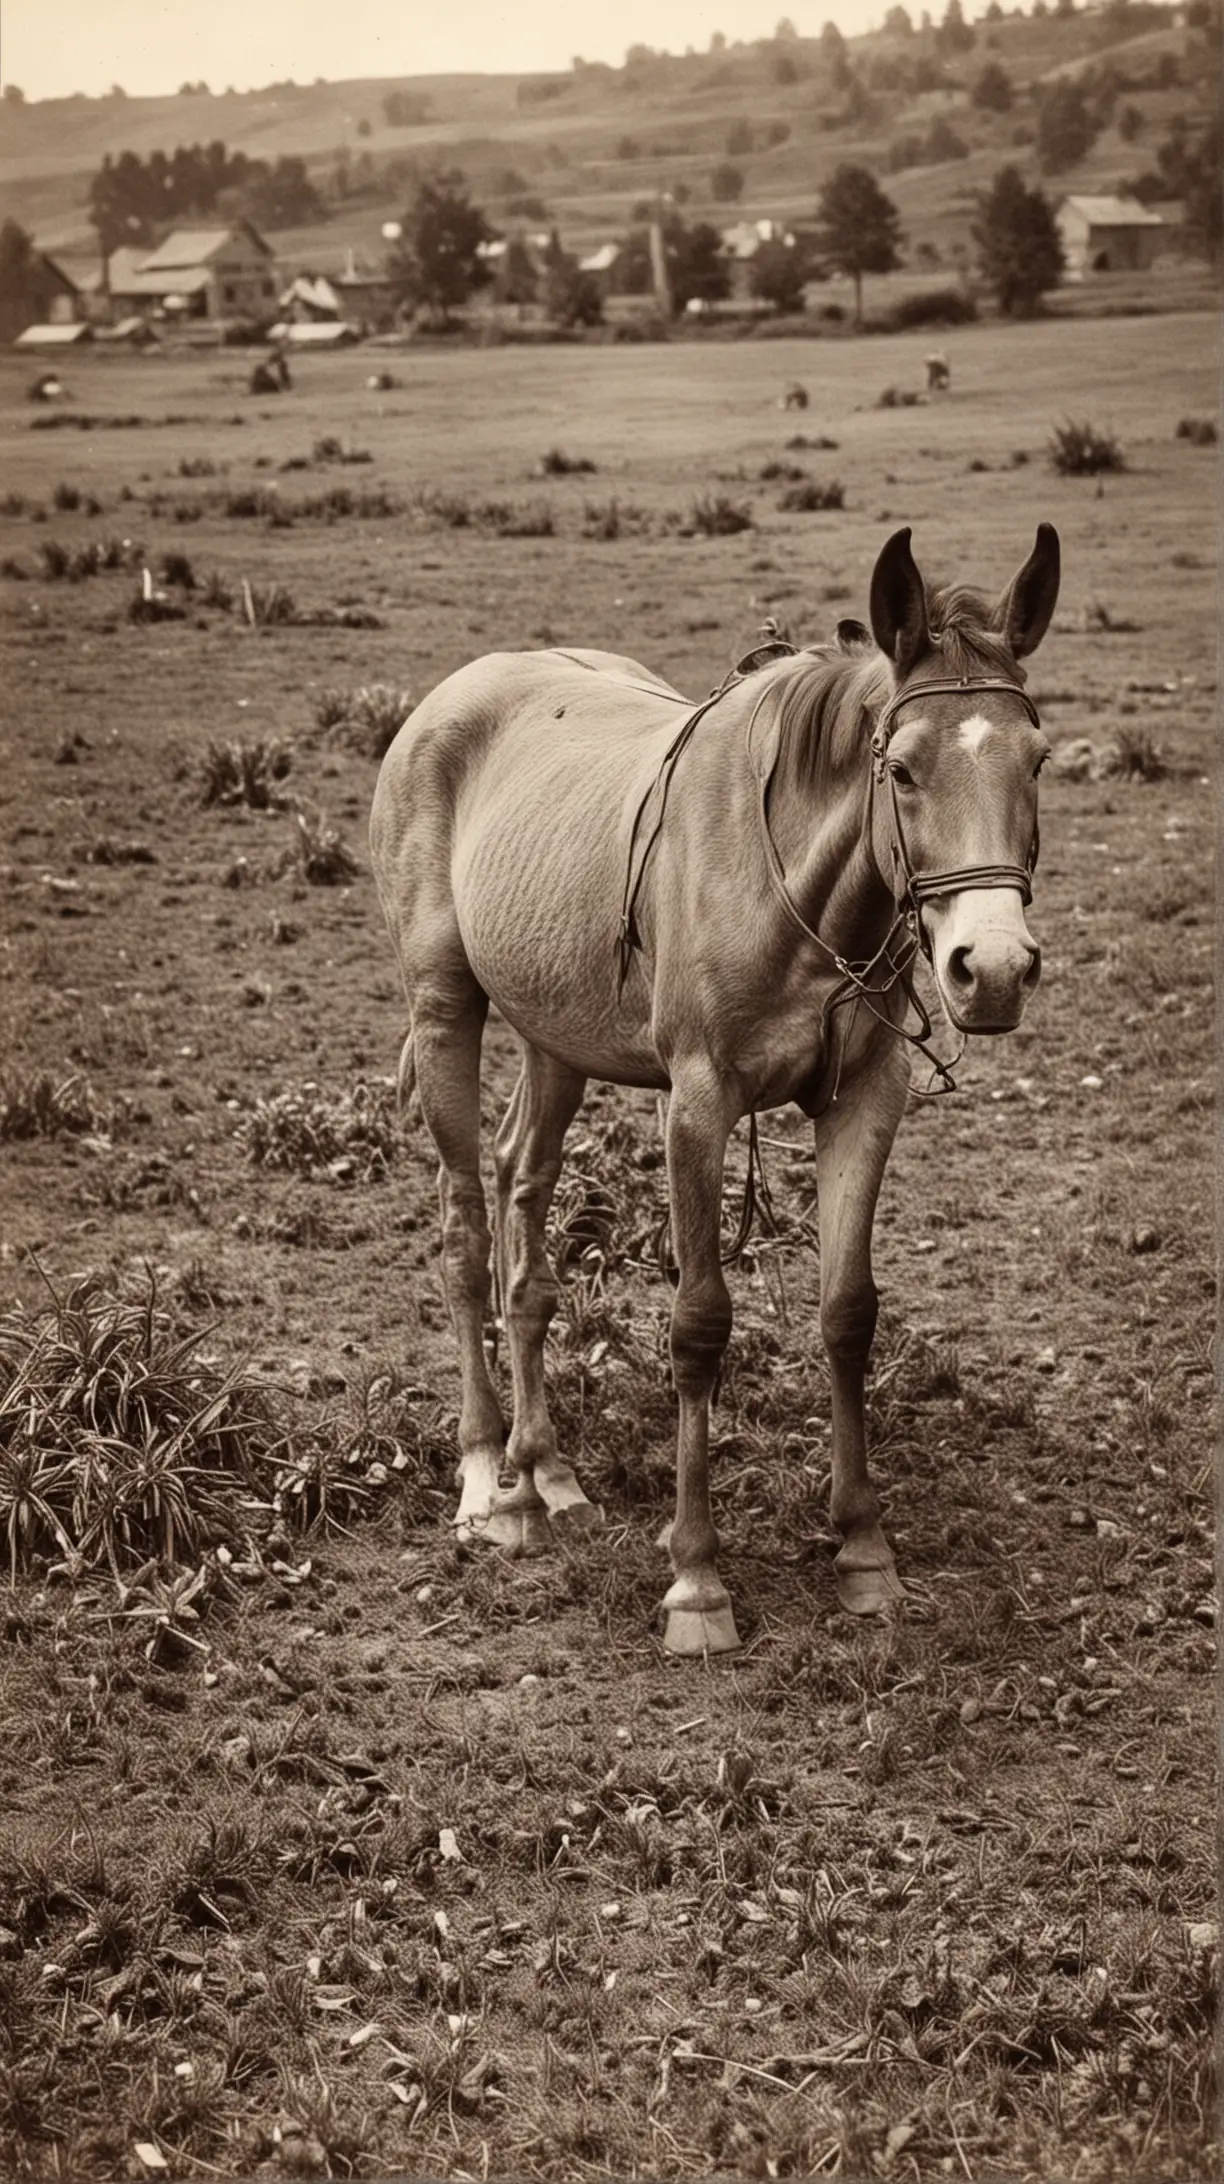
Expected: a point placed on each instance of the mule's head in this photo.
(958, 768)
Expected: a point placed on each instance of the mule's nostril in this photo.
(958, 968)
(1033, 972)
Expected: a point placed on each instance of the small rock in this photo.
(1204, 1935)
(1144, 1238)
(1046, 1360)
(971, 1711)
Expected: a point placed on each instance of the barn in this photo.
(40, 294)
(1109, 235)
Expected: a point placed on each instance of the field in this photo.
(328, 1849)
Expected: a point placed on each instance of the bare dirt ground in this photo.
(369, 1858)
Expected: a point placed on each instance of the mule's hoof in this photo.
(694, 1631)
(515, 1531)
(869, 1592)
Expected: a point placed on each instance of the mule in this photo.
(723, 903)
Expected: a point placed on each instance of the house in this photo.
(45, 295)
(1109, 235)
(198, 273)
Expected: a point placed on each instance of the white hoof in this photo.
(694, 1631)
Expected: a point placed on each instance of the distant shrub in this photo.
(613, 519)
(557, 464)
(819, 440)
(66, 498)
(216, 592)
(1200, 431)
(266, 606)
(715, 515)
(935, 307)
(811, 495)
(367, 719)
(770, 473)
(898, 398)
(245, 773)
(1134, 755)
(1082, 450)
(177, 569)
(15, 570)
(197, 466)
(516, 519)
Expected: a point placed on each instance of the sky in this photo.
(51, 48)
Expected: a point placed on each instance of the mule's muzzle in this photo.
(984, 960)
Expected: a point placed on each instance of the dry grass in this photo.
(353, 1852)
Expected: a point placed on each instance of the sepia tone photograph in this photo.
(609, 636)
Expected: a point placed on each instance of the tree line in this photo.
(134, 200)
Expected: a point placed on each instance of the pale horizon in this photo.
(149, 50)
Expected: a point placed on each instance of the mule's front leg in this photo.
(852, 1147)
(699, 1617)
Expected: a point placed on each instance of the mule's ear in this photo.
(1023, 614)
(898, 604)
(852, 636)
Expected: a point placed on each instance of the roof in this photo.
(315, 291)
(195, 246)
(54, 337)
(1112, 211)
(184, 280)
(61, 273)
(746, 237)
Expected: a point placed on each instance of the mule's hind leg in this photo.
(853, 1141)
(528, 1155)
(448, 1018)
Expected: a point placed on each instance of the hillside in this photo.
(590, 144)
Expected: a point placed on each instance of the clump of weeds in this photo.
(234, 772)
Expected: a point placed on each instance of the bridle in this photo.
(892, 964)
(919, 887)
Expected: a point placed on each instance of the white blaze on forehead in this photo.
(973, 732)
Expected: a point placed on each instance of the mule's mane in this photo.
(824, 692)
(961, 635)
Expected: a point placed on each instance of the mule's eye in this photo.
(900, 773)
(1040, 763)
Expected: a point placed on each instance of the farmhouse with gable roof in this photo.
(1109, 235)
(201, 273)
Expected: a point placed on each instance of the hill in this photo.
(585, 147)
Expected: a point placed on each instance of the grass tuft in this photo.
(245, 773)
(341, 1138)
(1083, 450)
(38, 1104)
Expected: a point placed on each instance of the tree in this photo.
(775, 276)
(16, 265)
(727, 183)
(992, 91)
(1019, 246)
(1130, 122)
(954, 34)
(517, 279)
(571, 297)
(899, 23)
(1065, 128)
(859, 227)
(835, 56)
(14, 95)
(436, 264)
